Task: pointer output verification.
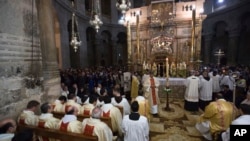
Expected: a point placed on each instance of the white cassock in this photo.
(6, 136)
(109, 110)
(216, 83)
(70, 123)
(58, 106)
(124, 103)
(144, 78)
(49, 120)
(143, 106)
(151, 90)
(135, 130)
(192, 89)
(46, 120)
(242, 120)
(28, 117)
(191, 96)
(95, 127)
(227, 80)
(86, 109)
(206, 89)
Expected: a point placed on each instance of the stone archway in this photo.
(220, 40)
(122, 48)
(91, 46)
(106, 48)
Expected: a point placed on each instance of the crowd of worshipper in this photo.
(99, 92)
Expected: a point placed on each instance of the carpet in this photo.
(175, 125)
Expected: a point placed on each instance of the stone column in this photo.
(97, 49)
(232, 46)
(207, 48)
(48, 47)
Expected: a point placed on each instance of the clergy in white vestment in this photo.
(109, 110)
(145, 76)
(192, 84)
(72, 102)
(58, 105)
(47, 120)
(216, 82)
(143, 104)
(69, 122)
(244, 119)
(226, 79)
(93, 126)
(28, 117)
(135, 126)
(151, 91)
(206, 90)
(86, 109)
(118, 100)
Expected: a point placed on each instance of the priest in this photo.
(151, 91)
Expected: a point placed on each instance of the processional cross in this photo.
(219, 54)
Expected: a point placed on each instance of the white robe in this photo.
(50, 121)
(58, 106)
(101, 129)
(87, 108)
(192, 84)
(216, 83)
(135, 130)
(115, 115)
(227, 80)
(29, 117)
(6, 136)
(124, 103)
(73, 103)
(206, 89)
(74, 125)
(242, 120)
(144, 78)
(149, 92)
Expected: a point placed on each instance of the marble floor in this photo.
(175, 125)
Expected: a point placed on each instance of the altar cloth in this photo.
(172, 81)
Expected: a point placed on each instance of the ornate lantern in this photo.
(123, 6)
(74, 40)
(96, 21)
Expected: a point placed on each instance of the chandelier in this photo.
(95, 20)
(74, 40)
(123, 6)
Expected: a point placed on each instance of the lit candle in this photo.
(167, 68)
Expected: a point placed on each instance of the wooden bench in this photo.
(57, 134)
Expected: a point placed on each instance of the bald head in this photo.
(96, 113)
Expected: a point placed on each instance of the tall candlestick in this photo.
(167, 72)
(167, 68)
